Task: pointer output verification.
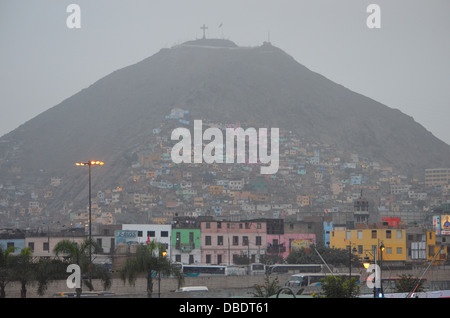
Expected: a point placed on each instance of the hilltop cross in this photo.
(204, 29)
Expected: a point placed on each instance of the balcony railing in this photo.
(275, 249)
(185, 248)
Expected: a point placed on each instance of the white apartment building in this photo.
(160, 233)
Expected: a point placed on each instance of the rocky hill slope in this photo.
(213, 79)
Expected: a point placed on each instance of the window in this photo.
(399, 234)
(45, 246)
(10, 244)
(208, 258)
(219, 259)
(245, 241)
(207, 240)
(258, 240)
(374, 234)
(31, 245)
(399, 250)
(388, 250)
(360, 249)
(235, 240)
(258, 226)
(388, 234)
(139, 233)
(219, 225)
(220, 240)
(431, 251)
(348, 235)
(164, 233)
(360, 235)
(208, 225)
(178, 241)
(150, 233)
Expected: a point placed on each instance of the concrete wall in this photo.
(226, 286)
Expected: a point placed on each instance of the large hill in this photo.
(218, 80)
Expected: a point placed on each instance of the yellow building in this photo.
(215, 189)
(435, 177)
(258, 197)
(303, 200)
(435, 251)
(366, 240)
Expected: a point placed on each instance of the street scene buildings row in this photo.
(206, 241)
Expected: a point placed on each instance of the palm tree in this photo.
(22, 269)
(47, 270)
(149, 260)
(80, 255)
(5, 269)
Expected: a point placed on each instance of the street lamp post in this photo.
(89, 164)
(367, 265)
(377, 279)
(381, 264)
(163, 254)
(350, 251)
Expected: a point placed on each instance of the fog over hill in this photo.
(218, 80)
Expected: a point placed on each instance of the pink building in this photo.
(223, 241)
(283, 244)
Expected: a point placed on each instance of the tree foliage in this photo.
(5, 269)
(408, 283)
(332, 256)
(339, 287)
(81, 256)
(269, 288)
(148, 261)
(21, 269)
(25, 269)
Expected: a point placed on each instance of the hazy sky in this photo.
(405, 64)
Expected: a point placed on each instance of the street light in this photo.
(350, 250)
(377, 279)
(366, 262)
(163, 254)
(90, 163)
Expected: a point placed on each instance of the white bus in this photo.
(193, 270)
(294, 268)
(204, 270)
(257, 269)
(314, 279)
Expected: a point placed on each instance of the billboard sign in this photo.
(445, 224)
(126, 236)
